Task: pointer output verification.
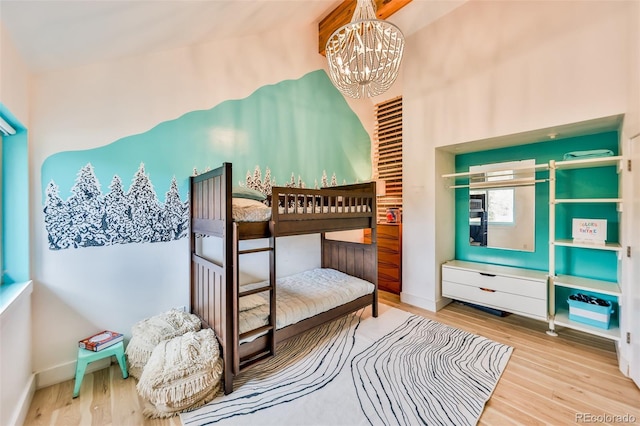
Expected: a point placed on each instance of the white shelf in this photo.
(499, 184)
(588, 284)
(613, 332)
(588, 200)
(589, 162)
(537, 167)
(570, 243)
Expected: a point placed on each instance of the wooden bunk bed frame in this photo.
(215, 285)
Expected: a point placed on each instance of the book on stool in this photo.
(99, 341)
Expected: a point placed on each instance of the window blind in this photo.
(387, 154)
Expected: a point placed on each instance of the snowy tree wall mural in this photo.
(89, 199)
(89, 218)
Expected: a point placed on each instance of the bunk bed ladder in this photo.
(270, 328)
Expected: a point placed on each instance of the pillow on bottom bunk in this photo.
(182, 373)
(146, 334)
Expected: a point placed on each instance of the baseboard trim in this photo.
(623, 363)
(20, 413)
(67, 371)
(442, 302)
(417, 301)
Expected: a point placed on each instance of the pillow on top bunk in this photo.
(248, 203)
(251, 194)
(246, 210)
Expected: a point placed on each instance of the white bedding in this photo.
(245, 210)
(304, 295)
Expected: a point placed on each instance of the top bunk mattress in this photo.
(301, 296)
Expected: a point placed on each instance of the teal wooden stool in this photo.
(85, 357)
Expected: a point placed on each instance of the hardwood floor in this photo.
(548, 380)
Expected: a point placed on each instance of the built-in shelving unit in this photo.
(558, 312)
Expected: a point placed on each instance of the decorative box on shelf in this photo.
(595, 312)
(589, 231)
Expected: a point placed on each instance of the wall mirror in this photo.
(502, 205)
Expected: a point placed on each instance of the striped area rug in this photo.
(397, 369)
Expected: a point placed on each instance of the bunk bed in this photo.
(217, 297)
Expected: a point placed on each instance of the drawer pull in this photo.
(487, 290)
(487, 275)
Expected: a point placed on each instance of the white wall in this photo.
(14, 79)
(494, 68)
(93, 105)
(16, 376)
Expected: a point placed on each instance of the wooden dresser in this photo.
(389, 256)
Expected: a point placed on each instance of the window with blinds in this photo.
(387, 154)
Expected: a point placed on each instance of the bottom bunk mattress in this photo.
(301, 296)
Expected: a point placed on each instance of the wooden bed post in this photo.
(228, 256)
(374, 242)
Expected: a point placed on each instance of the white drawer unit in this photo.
(517, 290)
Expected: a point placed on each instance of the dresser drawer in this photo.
(391, 258)
(497, 299)
(516, 286)
(388, 271)
(386, 231)
(389, 285)
(388, 245)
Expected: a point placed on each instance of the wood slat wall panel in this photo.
(387, 156)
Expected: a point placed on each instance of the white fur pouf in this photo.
(182, 374)
(146, 334)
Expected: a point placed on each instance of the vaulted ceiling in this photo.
(54, 34)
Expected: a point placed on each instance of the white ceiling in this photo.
(54, 34)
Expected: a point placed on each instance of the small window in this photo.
(501, 206)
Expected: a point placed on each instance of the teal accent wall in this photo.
(15, 203)
(578, 183)
(302, 127)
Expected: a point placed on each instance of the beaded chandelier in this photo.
(364, 55)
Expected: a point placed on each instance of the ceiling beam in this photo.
(342, 15)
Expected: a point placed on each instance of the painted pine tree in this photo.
(248, 181)
(118, 214)
(267, 183)
(57, 220)
(324, 179)
(175, 216)
(334, 180)
(145, 208)
(257, 179)
(292, 181)
(86, 210)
